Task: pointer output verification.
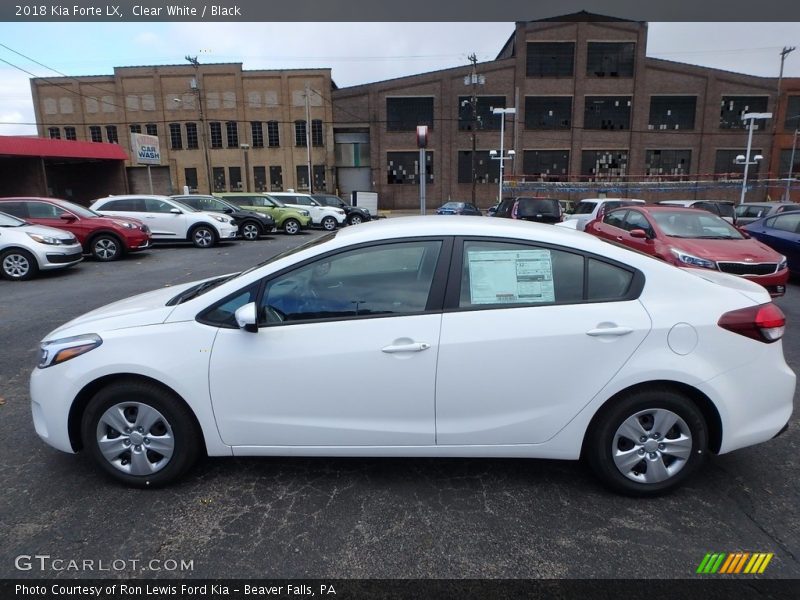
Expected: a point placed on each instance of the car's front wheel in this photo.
(140, 434)
(329, 223)
(203, 236)
(291, 226)
(648, 442)
(355, 219)
(18, 265)
(251, 230)
(106, 247)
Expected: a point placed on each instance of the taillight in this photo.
(765, 323)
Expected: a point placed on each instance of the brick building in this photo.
(786, 122)
(212, 110)
(590, 106)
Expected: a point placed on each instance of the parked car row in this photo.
(117, 225)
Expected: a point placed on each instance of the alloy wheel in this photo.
(16, 266)
(250, 231)
(203, 237)
(105, 249)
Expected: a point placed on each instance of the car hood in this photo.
(43, 230)
(149, 308)
(108, 220)
(747, 250)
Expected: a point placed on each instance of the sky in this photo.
(356, 52)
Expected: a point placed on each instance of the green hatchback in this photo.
(290, 220)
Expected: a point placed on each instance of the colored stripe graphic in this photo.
(734, 563)
(766, 562)
(742, 560)
(703, 563)
(727, 564)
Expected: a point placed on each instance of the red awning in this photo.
(13, 145)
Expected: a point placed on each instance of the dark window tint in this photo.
(636, 220)
(584, 208)
(615, 218)
(43, 210)
(789, 222)
(548, 112)
(549, 59)
(668, 113)
(610, 59)
(17, 209)
(607, 281)
(528, 207)
(124, 205)
(484, 118)
(504, 209)
(223, 314)
(385, 280)
(405, 114)
(155, 205)
(607, 112)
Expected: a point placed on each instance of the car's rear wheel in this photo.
(291, 226)
(203, 236)
(106, 247)
(355, 219)
(329, 223)
(140, 434)
(18, 265)
(648, 442)
(251, 230)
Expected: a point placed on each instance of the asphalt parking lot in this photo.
(358, 518)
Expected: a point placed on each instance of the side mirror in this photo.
(246, 317)
(69, 218)
(228, 211)
(640, 234)
(175, 211)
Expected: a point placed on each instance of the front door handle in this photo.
(615, 331)
(413, 347)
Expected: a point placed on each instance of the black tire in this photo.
(643, 406)
(180, 424)
(203, 236)
(328, 223)
(17, 264)
(291, 226)
(355, 219)
(106, 247)
(251, 231)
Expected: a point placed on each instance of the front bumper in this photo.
(64, 256)
(775, 282)
(227, 231)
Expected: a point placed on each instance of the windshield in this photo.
(79, 210)
(695, 225)
(203, 202)
(186, 207)
(584, 208)
(9, 221)
(453, 205)
(528, 207)
(275, 201)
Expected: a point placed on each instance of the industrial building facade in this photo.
(591, 108)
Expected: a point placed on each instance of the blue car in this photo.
(782, 234)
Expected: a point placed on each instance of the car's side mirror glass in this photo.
(246, 317)
(228, 211)
(175, 211)
(640, 234)
(68, 218)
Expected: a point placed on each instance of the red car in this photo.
(105, 238)
(689, 237)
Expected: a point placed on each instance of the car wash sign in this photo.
(145, 149)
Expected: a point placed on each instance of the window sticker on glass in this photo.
(511, 277)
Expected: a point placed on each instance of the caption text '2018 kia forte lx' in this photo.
(147, 384)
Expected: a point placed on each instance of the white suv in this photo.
(327, 217)
(169, 219)
(590, 209)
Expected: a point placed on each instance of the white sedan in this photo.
(665, 358)
(26, 249)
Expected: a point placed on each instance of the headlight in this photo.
(305, 213)
(58, 351)
(340, 211)
(782, 264)
(125, 224)
(693, 261)
(218, 218)
(51, 241)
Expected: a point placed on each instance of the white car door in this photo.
(528, 346)
(164, 223)
(345, 354)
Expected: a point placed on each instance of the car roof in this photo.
(126, 196)
(611, 200)
(767, 203)
(656, 208)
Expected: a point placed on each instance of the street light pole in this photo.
(503, 112)
(786, 197)
(246, 147)
(747, 162)
(195, 85)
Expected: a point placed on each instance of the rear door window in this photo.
(789, 222)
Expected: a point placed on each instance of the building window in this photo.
(725, 166)
(70, 133)
(550, 59)
(190, 176)
(175, 138)
(216, 134)
(405, 114)
(673, 164)
(604, 165)
(319, 178)
(191, 136)
(668, 113)
(486, 169)
(783, 168)
(545, 165)
(233, 134)
(610, 59)
(111, 134)
(235, 176)
(257, 134)
(151, 129)
(607, 112)
(54, 133)
(136, 128)
(486, 120)
(732, 108)
(302, 177)
(96, 133)
(792, 121)
(300, 133)
(317, 139)
(260, 179)
(273, 135)
(403, 167)
(218, 174)
(548, 112)
(276, 179)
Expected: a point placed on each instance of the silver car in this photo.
(27, 249)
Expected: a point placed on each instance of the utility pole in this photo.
(474, 79)
(784, 53)
(195, 85)
(308, 142)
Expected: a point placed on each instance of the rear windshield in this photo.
(726, 210)
(527, 207)
(584, 208)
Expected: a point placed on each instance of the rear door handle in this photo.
(615, 331)
(413, 347)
